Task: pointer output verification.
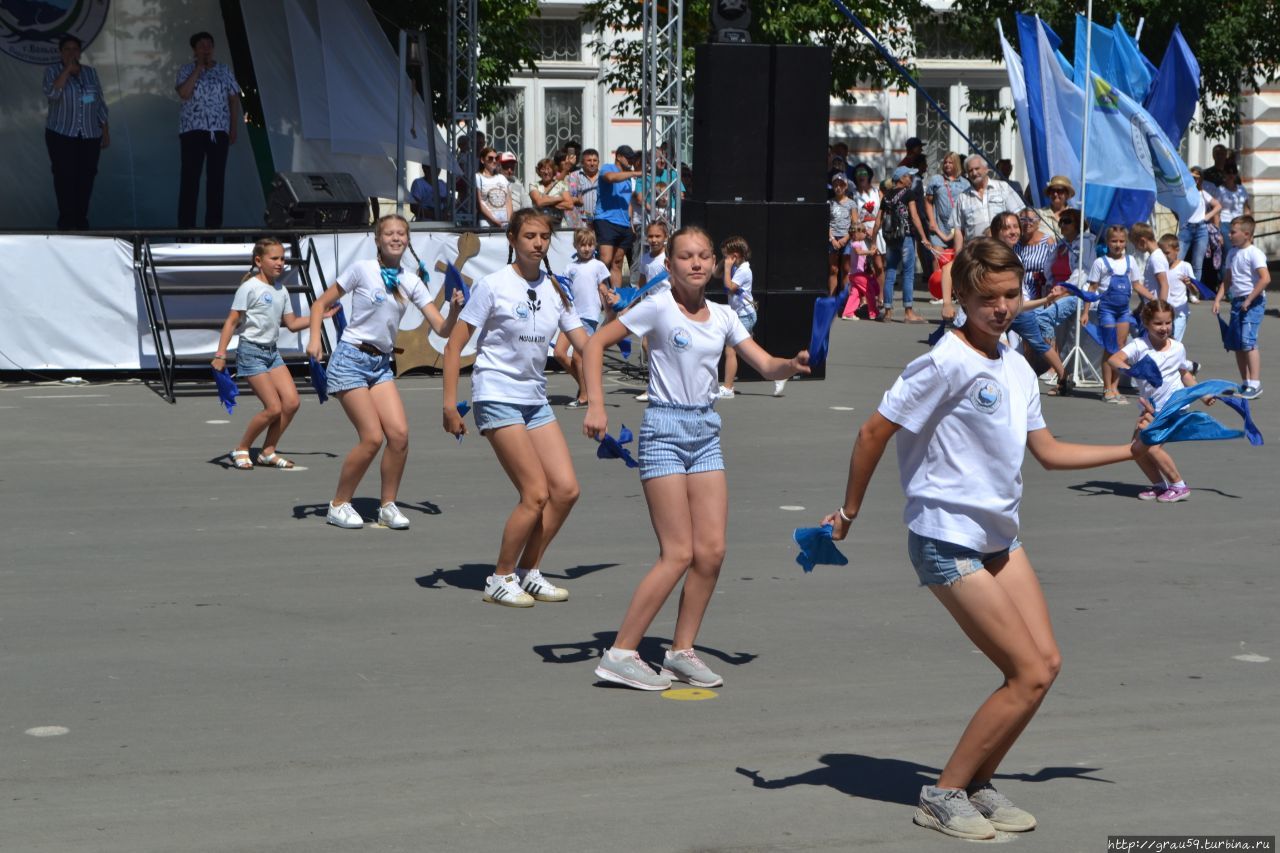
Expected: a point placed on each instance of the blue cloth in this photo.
(936, 334)
(340, 321)
(624, 347)
(453, 281)
(1241, 407)
(817, 548)
(824, 313)
(612, 448)
(1206, 292)
(463, 408)
(1231, 332)
(629, 296)
(227, 390)
(1145, 369)
(1086, 295)
(319, 380)
(1173, 423)
(1092, 330)
(390, 277)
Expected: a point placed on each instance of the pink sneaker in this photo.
(1174, 494)
(1152, 493)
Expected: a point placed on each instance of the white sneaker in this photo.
(725, 393)
(505, 590)
(778, 386)
(541, 588)
(643, 398)
(389, 515)
(344, 515)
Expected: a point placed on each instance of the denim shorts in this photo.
(749, 321)
(941, 563)
(351, 368)
(1251, 320)
(253, 359)
(1113, 315)
(679, 440)
(1027, 325)
(493, 414)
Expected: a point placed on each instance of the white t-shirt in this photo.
(375, 311)
(1107, 266)
(1179, 276)
(1243, 264)
(1172, 360)
(741, 301)
(515, 329)
(1232, 201)
(683, 353)
(1156, 263)
(264, 306)
(1202, 205)
(965, 420)
(584, 279)
(654, 266)
(495, 191)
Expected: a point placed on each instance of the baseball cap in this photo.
(839, 176)
(626, 152)
(915, 142)
(506, 157)
(902, 171)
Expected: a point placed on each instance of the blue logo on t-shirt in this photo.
(680, 338)
(379, 297)
(522, 311)
(266, 297)
(986, 396)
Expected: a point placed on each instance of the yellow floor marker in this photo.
(689, 694)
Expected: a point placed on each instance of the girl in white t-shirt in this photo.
(493, 191)
(261, 305)
(518, 310)
(588, 277)
(1170, 357)
(681, 467)
(360, 374)
(964, 414)
(738, 281)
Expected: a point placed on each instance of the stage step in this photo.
(170, 289)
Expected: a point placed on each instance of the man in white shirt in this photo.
(978, 205)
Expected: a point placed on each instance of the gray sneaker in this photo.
(632, 672)
(949, 811)
(686, 666)
(1001, 813)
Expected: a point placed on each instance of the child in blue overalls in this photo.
(1115, 277)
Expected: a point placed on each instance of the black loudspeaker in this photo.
(315, 200)
(799, 91)
(786, 323)
(724, 219)
(797, 253)
(731, 122)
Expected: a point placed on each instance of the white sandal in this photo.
(274, 460)
(240, 459)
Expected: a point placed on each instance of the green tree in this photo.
(1232, 41)
(505, 44)
(854, 61)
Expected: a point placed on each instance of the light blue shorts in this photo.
(749, 320)
(493, 414)
(1250, 321)
(351, 368)
(941, 563)
(253, 359)
(679, 440)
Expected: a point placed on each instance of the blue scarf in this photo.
(1173, 423)
(391, 278)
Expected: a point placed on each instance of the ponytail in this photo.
(259, 249)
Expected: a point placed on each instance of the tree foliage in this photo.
(505, 44)
(854, 61)
(1232, 41)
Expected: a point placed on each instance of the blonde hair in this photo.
(978, 261)
(688, 231)
(1245, 223)
(582, 235)
(518, 220)
(1169, 241)
(1116, 229)
(957, 160)
(259, 249)
(1141, 231)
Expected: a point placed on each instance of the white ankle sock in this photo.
(616, 654)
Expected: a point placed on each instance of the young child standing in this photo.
(738, 280)
(517, 310)
(964, 414)
(681, 466)
(1180, 275)
(1170, 356)
(653, 257)
(1156, 273)
(841, 211)
(360, 374)
(588, 282)
(864, 289)
(261, 305)
(1244, 280)
(1116, 277)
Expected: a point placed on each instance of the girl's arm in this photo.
(440, 324)
(948, 307)
(1211, 213)
(453, 423)
(1118, 361)
(730, 285)
(868, 447)
(770, 366)
(596, 423)
(224, 339)
(320, 309)
(294, 323)
(1056, 455)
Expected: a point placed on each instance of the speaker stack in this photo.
(315, 200)
(759, 171)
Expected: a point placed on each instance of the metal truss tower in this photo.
(464, 48)
(662, 121)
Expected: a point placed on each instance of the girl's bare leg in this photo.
(668, 501)
(359, 406)
(708, 497)
(287, 392)
(266, 392)
(551, 449)
(395, 428)
(518, 458)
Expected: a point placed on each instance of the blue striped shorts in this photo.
(679, 440)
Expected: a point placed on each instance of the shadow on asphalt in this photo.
(1094, 488)
(651, 649)
(367, 507)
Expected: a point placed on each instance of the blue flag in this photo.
(612, 448)
(319, 380)
(1174, 423)
(817, 548)
(1086, 295)
(453, 281)
(1241, 407)
(1176, 88)
(825, 309)
(624, 347)
(1205, 291)
(631, 295)
(227, 390)
(1145, 369)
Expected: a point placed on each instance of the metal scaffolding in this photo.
(464, 48)
(662, 123)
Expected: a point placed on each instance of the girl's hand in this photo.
(800, 364)
(948, 312)
(453, 422)
(596, 423)
(314, 349)
(458, 300)
(219, 362)
(1217, 304)
(1144, 420)
(839, 527)
(331, 310)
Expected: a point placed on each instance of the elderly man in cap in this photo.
(613, 211)
(978, 205)
(519, 193)
(903, 230)
(1060, 192)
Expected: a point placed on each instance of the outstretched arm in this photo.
(1057, 455)
(868, 447)
(596, 422)
(769, 366)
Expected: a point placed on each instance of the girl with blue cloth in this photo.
(360, 373)
(964, 414)
(681, 467)
(1116, 277)
(258, 310)
(518, 310)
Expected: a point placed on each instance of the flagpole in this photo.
(1076, 357)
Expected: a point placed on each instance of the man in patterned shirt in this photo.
(978, 205)
(75, 132)
(208, 123)
(582, 189)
